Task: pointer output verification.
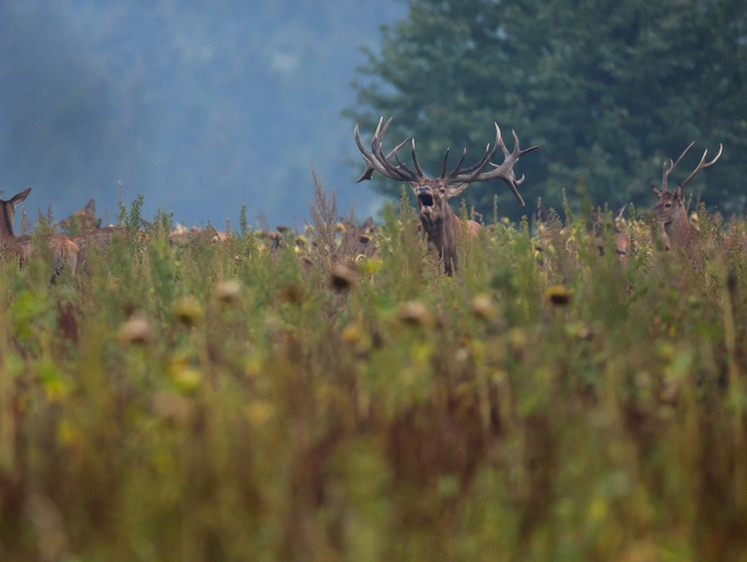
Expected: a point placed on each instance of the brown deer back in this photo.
(64, 251)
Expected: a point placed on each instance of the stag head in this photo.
(670, 207)
(433, 193)
(441, 226)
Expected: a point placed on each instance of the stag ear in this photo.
(19, 198)
(619, 214)
(656, 190)
(679, 194)
(414, 185)
(454, 190)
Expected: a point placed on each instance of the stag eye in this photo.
(667, 205)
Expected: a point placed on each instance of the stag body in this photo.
(64, 251)
(441, 226)
(670, 208)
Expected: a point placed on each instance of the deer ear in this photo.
(19, 198)
(656, 190)
(679, 194)
(414, 185)
(454, 190)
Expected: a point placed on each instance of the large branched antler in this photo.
(504, 171)
(376, 161)
(702, 165)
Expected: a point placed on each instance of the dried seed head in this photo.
(483, 307)
(351, 334)
(415, 313)
(136, 329)
(364, 238)
(188, 311)
(558, 295)
(282, 228)
(171, 407)
(228, 291)
(340, 228)
(518, 340)
(186, 379)
(259, 412)
(342, 277)
(292, 294)
(301, 241)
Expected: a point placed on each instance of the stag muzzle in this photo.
(425, 199)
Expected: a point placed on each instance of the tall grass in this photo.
(219, 402)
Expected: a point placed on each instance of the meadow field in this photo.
(314, 402)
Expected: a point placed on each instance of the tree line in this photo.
(608, 90)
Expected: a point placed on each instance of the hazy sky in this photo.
(200, 106)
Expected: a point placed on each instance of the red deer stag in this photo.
(64, 251)
(670, 208)
(441, 226)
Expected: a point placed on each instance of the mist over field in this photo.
(199, 106)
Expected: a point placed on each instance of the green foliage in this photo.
(226, 402)
(42, 227)
(122, 214)
(608, 90)
(243, 222)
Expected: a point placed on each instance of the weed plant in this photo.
(226, 402)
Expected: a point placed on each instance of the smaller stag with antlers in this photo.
(441, 226)
(670, 208)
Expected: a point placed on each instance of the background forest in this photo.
(608, 90)
(203, 108)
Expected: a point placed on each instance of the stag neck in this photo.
(681, 232)
(441, 235)
(7, 234)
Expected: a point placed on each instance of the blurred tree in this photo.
(607, 89)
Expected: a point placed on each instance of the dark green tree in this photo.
(607, 89)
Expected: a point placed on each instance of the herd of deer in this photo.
(440, 225)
